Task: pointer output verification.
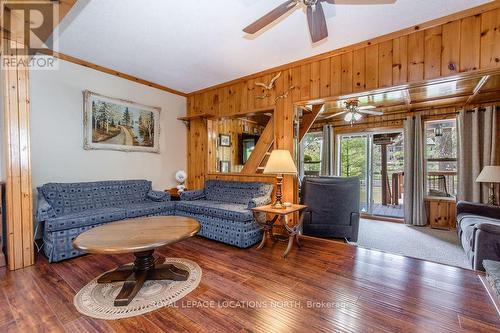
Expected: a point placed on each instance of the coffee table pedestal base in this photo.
(145, 267)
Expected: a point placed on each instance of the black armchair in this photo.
(333, 207)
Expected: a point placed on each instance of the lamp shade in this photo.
(490, 174)
(280, 162)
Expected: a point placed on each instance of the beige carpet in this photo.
(440, 246)
(96, 300)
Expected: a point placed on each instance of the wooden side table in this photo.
(441, 212)
(175, 195)
(267, 225)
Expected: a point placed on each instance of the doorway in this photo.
(378, 160)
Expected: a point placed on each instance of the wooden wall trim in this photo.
(110, 71)
(444, 21)
(18, 189)
(19, 210)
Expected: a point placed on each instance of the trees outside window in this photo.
(312, 146)
(441, 157)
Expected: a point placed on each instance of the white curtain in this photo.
(414, 173)
(477, 147)
(327, 153)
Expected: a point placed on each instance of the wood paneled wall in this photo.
(463, 42)
(19, 208)
(234, 128)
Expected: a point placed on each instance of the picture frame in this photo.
(225, 166)
(224, 140)
(116, 124)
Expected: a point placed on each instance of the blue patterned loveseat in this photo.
(67, 209)
(223, 210)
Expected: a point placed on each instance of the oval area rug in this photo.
(96, 299)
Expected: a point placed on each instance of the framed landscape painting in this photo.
(115, 124)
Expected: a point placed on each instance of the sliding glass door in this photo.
(377, 159)
(354, 157)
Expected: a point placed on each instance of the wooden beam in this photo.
(308, 119)
(110, 71)
(18, 165)
(18, 189)
(261, 148)
(407, 97)
(477, 89)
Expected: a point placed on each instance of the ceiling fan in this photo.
(315, 15)
(353, 112)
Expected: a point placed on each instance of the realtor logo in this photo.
(29, 28)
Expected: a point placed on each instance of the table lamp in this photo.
(490, 174)
(280, 163)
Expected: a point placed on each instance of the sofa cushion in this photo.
(467, 238)
(148, 208)
(158, 196)
(230, 211)
(85, 218)
(69, 198)
(235, 192)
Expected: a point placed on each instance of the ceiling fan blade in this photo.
(270, 17)
(317, 22)
(361, 2)
(372, 112)
(328, 116)
(368, 107)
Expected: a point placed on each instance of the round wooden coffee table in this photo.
(141, 237)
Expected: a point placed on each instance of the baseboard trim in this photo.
(381, 218)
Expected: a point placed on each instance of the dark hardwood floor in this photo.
(326, 286)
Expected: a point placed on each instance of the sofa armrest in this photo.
(44, 210)
(489, 227)
(486, 244)
(158, 196)
(193, 195)
(478, 209)
(259, 201)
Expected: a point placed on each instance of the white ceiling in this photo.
(190, 45)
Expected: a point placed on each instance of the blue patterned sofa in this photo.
(67, 209)
(223, 210)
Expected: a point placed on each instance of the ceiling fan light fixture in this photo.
(357, 116)
(348, 117)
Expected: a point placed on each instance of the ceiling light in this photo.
(357, 116)
(348, 117)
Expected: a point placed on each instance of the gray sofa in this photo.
(332, 207)
(478, 228)
(65, 210)
(224, 210)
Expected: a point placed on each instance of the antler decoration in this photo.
(285, 94)
(267, 87)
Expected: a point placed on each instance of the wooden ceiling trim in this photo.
(477, 89)
(407, 98)
(450, 49)
(110, 71)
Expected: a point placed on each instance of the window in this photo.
(441, 157)
(312, 150)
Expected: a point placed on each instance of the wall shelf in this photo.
(187, 119)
